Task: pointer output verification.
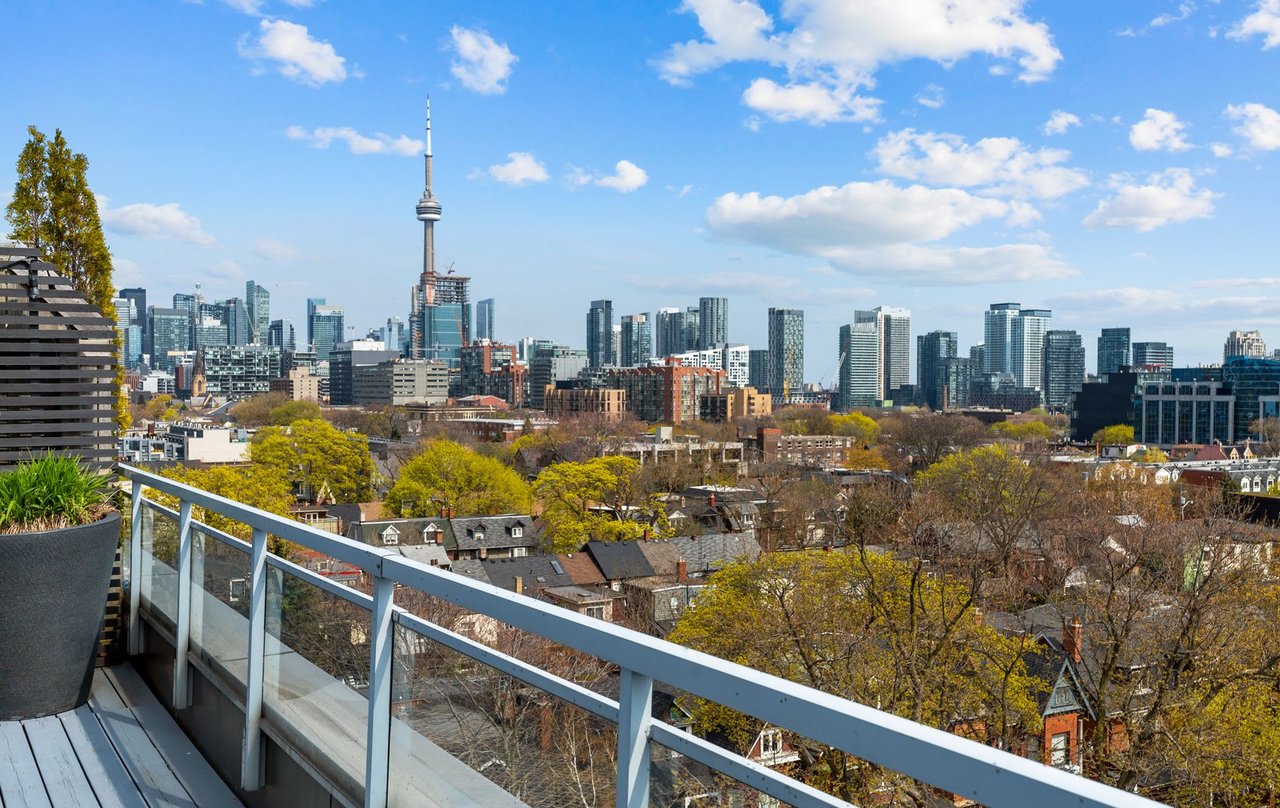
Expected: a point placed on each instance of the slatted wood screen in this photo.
(57, 368)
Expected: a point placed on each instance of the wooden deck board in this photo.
(20, 782)
(64, 779)
(102, 766)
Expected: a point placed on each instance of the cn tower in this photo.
(428, 212)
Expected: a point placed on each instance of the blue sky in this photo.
(1115, 162)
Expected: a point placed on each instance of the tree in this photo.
(1115, 434)
(924, 438)
(54, 211)
(448, 478)
(865, 459)
(868, 628)
(1268, 432)
(569, 490)
(256, 486)
(291, 411)
(256, 411)
(318, 458)
(855, 424)
(1027, 431)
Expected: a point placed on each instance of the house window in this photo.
(594, 611)
(390, 538)
(324, 566)
(1059, 749)
(517, 532)
(519, 552)
(237, 589)
(479, 535)
(771, 742)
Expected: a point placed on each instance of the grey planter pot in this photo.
(53, 593)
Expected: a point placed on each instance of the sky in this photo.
(1114, 162)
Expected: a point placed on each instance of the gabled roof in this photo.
(619, 560)
(470, 568)
(581, 569)
(494, 532)
(410, 530)
(535, 572)
(716, 551)
(433, 555)
(662, 555)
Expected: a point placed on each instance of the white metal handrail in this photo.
(945, 761)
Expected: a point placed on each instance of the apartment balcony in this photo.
(298, 690)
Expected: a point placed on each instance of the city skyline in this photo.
(255, 153)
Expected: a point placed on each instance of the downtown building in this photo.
(669, 393)
(1064, 365)
(733, 358)
(600, 351)
(1244, 343)
(1113, 350)
(1014, 345)
(934, 353)
(713, 322)
(1157, 355)
(860, 376)
(786, 354)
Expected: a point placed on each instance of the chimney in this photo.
(483, 553)
(447, 512)
(519, 585)
(1072, 639)
(439, 537)
(682, 571)
(648, 534)
(711, 500)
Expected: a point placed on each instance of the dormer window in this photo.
(478, 535)
(771, 742)
(390, 535)
(517, 532)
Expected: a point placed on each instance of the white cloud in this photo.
(520, 168)
(1264, 21)
(876, 229)
(834, 47)
(1221, 150)
(1124, 298)
(811, 102)
(932, 96)
(274, 250)
(1259, 125)
(300, 3)
(299, 57)
(1000, 165)
(1059, 122)
(155, 222)
(483, 66)
(1159, 131)
(773, 287)
(125, 271)
(1166, 198)
(626, 177)
(1184, 10)
(251, 7)
(324, 136)
(226, 270)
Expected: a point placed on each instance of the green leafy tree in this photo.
(447, 476)
(868, 628)
(568, 492)
(1026, 431)
(256, 486)
(291, 411)
(318, 458)
(256, 411)
(855, 424)
(54, 211)
(1114, 434)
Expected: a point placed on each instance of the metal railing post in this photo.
(635, 705)
(135, 570)
(182, 621)
(251, 756)
(378, 741)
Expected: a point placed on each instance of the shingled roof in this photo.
(619, 560)
(715, 551)
(582, 569)
(495, 532)
(410, 531)
(535, 572)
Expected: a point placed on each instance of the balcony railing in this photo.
(321, 719)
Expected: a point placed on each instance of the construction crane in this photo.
(839, 362)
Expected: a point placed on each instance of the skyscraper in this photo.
(280, 335)
(1028, 346)
(1152, 354)
(600, 334)
(170, 334)
(786, 353)
(138, 296)
(394, 335)
(1113, 350)
(713, 322)
(933, 350)
(236, 318)
(860, 376)
(758, 369)
(327, 328)
(312, 302)
(484, 319)
(1063, 367)
(636, 346)
(440, 320)
(1244, 343)
(894, 325)
(997, 333)
(668, 332)
(258, 303)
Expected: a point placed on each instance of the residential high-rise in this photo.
(394, 335)
(786, 353)
(1028, 347)
(894, 325)
(1244, 343)
(1113, 350)
(280, 335)
(1152, 354)
(138, 296)
(758, 369)
(312, 302)
(978, 357)
(997, 333)
(327, 329)
(440, 319)
(551, 364)
(692, 328)
(933, 352)
(129, 330)
(1063, 372)
(600, 333)
(236, 317)
(170, 336)
(860, 375)
(669, 332)
(713, 322)
(257, 302)
(484, 319)
(959, 378)
(636, 344)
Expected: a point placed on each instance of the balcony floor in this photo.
(121, 749)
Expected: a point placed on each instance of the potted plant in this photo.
(58, 537)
